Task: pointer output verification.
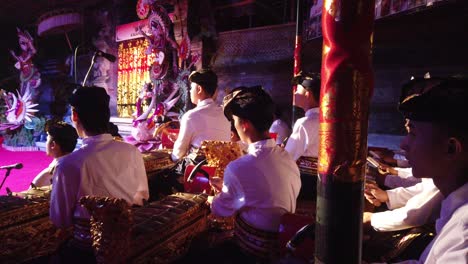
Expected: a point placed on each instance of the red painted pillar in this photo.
(347, 82)
(297, 55)
(298, 44)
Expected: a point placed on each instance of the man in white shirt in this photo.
(262, 185)
(206, 120)
(436, 147)
(101, 167)
(303, 143)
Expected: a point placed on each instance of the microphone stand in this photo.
(6, 176)
(93, 60)
(97, 53)
(74, 63)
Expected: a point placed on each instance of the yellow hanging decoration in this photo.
(132, 74)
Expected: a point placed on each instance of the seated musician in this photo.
(206, 120)
(101, 167)
(260, 186)
(436, 147)
(61, 140)
(303, 143)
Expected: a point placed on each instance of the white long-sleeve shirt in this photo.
(409, 207)
(205, 122)
(304, 139)
(451, 242)
(44, 177)
(281, 129)
(262, 185)
(401, 160)
(101, 167)
(404, 178)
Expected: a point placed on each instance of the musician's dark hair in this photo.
(206, 78)
(63, 134)
(92, 106)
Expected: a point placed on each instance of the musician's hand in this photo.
(216, 183)
(372, 199)
(209, 200)
(374, 194)
(385, 170)
(366, 217)
(378, 193)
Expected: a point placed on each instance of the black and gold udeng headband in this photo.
(435, 100)
(242, 99)
(307, 80)
(418, 86)
(227, 102)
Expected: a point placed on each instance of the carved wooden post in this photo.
(347, 82)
